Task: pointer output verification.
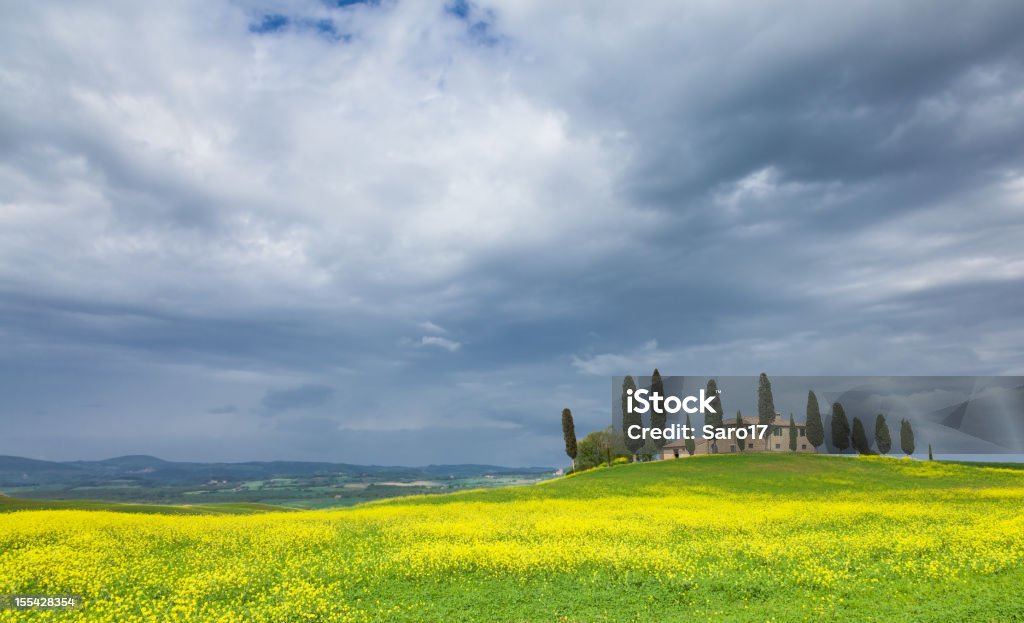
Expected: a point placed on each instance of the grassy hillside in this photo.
(728, 538)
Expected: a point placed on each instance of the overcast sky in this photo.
(413, 232)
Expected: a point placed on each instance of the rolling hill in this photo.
(720, 538)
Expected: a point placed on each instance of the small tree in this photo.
(691, 444)
(792, 434)
(714, 419)
(595, 449)
(840, 428)
(815, 429)
(906, 437)
(742, 443)
(569, 434)
(930, 457)
(658, 420)
(630, 417)
(860, 437)
(765, 401)
(882, 439)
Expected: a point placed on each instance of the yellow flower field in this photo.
(730, 538)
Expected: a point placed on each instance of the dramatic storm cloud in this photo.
(411, 232)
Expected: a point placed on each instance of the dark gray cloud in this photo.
(301, 397)
(415, 235)
(223, 409)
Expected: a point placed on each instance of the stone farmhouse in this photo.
(776, 440)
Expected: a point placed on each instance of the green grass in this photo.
(791, 476)
(8, 505)
(723, 538)
(873, 507)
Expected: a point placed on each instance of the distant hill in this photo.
(150, 470)
(8, 504)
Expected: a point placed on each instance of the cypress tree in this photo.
(742, 443)
(691, 445)
(882, 439)
(765, 401)
(906, 437)
(569, 434)
(815, 429)
(930, 457)
(658, 420)
(630, 417)
(840, 428)
(714, 419)
(792, 434)
(860, 437)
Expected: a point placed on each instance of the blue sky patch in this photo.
(344, 3)
(458, 8)
(479, 31)
(274, 22)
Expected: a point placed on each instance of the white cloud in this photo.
(613, 364)
(440, 342)
(219, 169)
(430, 327)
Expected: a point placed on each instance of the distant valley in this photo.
(296, 484)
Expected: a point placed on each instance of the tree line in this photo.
(600, 446)
(845, 436)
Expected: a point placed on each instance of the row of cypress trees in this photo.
(845, 437)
